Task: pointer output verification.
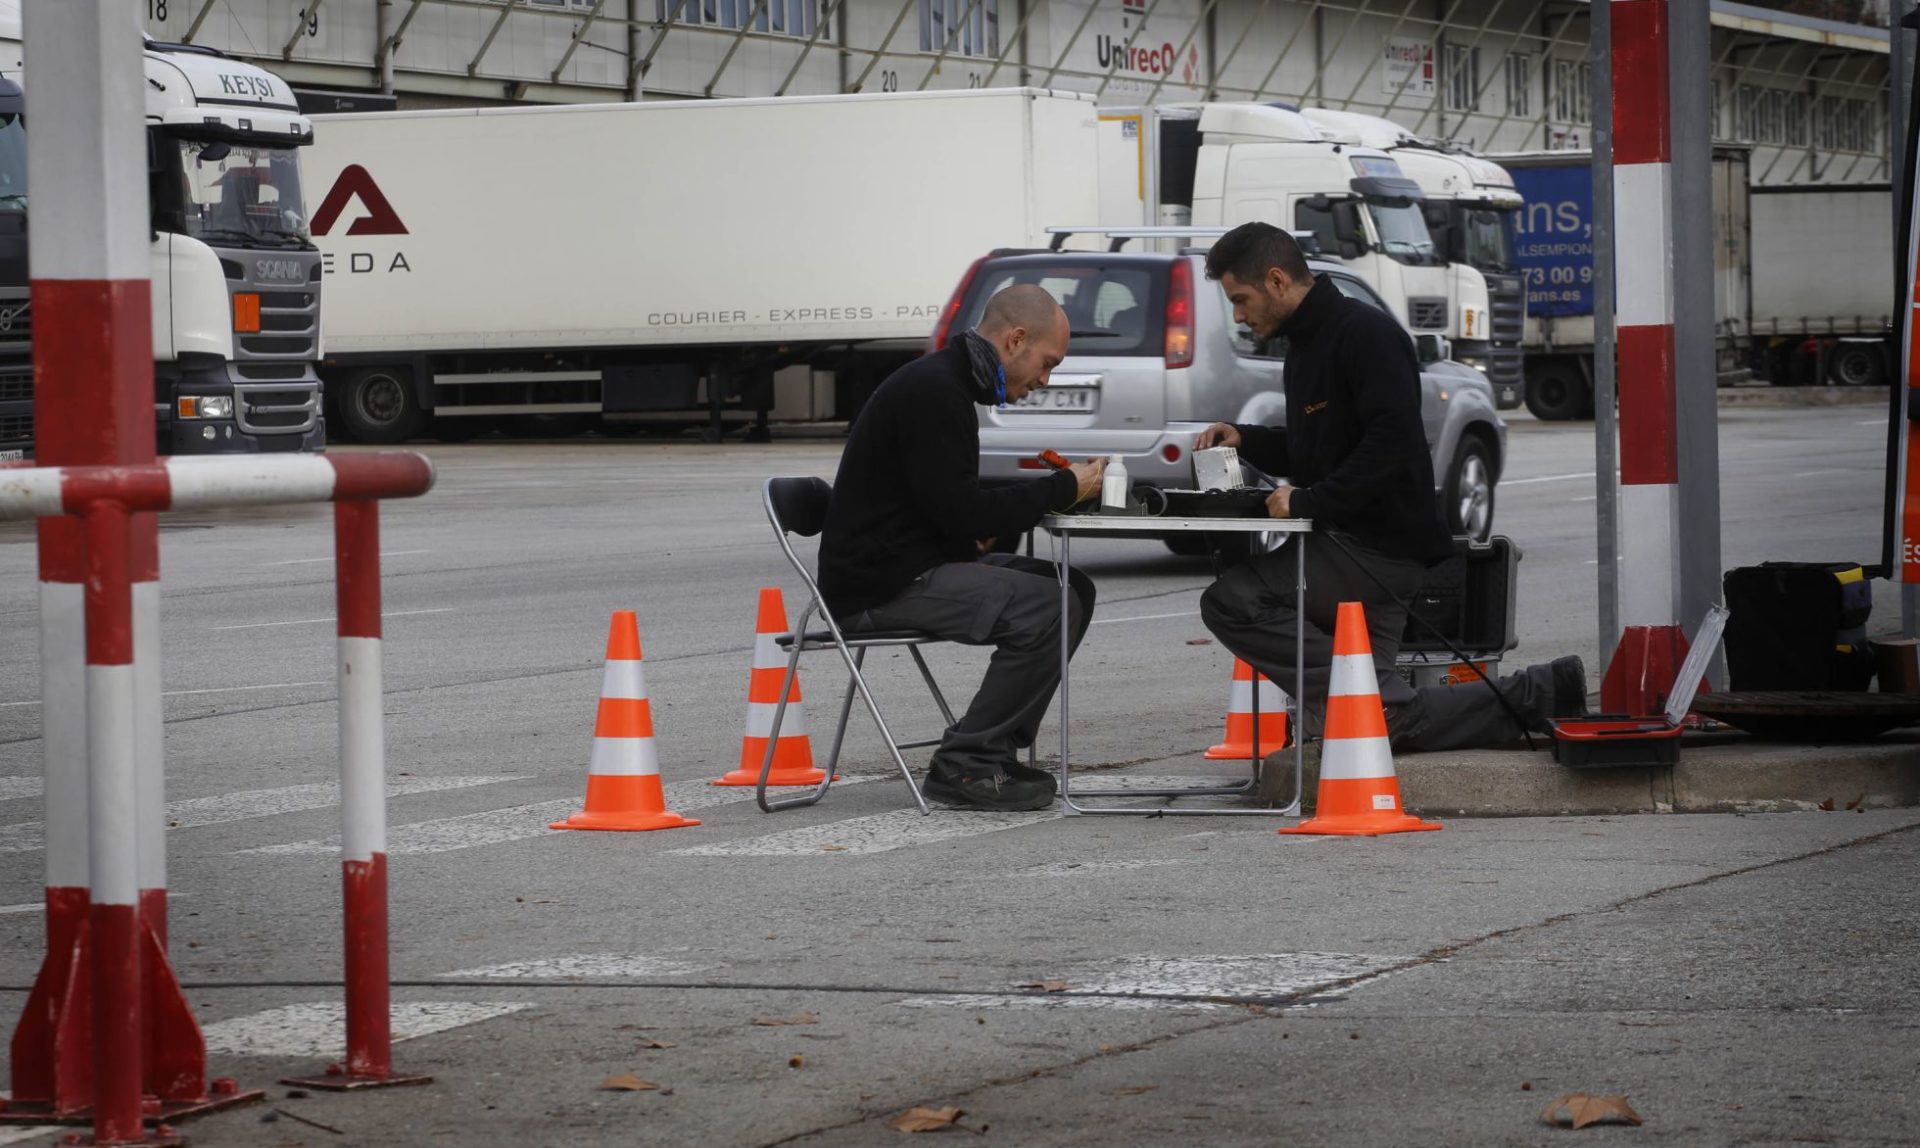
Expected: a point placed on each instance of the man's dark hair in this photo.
(1251, 249)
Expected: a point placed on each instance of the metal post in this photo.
(1899, 45)
(1695, 337)
(1656, 286)
(363, 805)
(113, 918)
(92, 353)
(1606, 419)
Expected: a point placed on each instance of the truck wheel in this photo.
(1555, 391)
(1469, 494)
(378, 405)
(1856, 365)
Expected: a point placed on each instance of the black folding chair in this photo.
(799, 506)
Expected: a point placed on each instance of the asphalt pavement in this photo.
(1740, 979)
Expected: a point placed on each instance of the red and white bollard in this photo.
(363, 807)
(1652, 644)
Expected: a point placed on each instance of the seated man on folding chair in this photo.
(910, 534)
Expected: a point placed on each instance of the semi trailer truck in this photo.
(235, 280)
(552, 269)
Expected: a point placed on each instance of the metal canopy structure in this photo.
(1497, 75)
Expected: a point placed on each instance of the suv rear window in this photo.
(1114, 308)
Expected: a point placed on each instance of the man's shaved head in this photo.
(1022, 305)
(1029, 330)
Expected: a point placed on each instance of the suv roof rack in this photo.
(1117, 236)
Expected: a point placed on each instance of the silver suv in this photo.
(1155, 356)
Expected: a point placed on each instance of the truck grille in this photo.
(1509, 307)
(265, 407)
(16, 388)
(16, 428)
(1427, 314)
(289, 318)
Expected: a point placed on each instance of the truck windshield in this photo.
(1487, 235)
(13, 163)
(1403, 233)
(233, 193)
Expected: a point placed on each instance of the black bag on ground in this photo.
(1798, 626)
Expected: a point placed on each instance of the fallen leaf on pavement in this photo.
(777, 1021)
(1199, 641)
(1581, 1109)
(1135, 1089)
(925, 1119)
(796, 1062)
(626, 1082)
(1855, 803)
(833, 848)
(657, 1044)
(1827, 805)
(1045, 986)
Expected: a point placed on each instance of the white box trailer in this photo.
(556, 266)
(1823, 291)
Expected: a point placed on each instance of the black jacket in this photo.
(908, 495)
(1354, 446)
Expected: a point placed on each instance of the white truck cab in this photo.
(1272, 164)
(1470, 205)
(236, 278)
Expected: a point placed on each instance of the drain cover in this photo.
(1811, 715)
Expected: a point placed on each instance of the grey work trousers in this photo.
(1012, 603)
(1250, 609)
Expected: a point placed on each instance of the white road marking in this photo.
(1871, 423)
(219, 690)
(1142, 618)
(517, 822)
(320, 1029)
(882, 832)
(245, 805)
(28, 1132)
(877, 833)
(1134, 982)
(1585, 498)
(329, 621)
(330, 558)
(12, 787)
(1545, 478)
(580, 966)
(1083, 868)
(1817, 473)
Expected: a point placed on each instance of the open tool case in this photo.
(1604, 741)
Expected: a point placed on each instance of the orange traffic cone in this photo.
(1241, 741)
(623, 776)
(1359, 795)
(793, 754)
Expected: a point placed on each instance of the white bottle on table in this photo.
(1113, 488)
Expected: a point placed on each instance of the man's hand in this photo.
(1219, 434)
(1088, 475)
(1280, 503)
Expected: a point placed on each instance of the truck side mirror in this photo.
(1432, 348)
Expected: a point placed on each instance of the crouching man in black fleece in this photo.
(910, 533)
(1355, 455)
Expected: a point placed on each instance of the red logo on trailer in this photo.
(355, 183)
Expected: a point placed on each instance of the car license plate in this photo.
(12, 455)
(1065, 399)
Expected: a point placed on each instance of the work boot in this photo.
(1569, 687)
(985, 789)
(1021, 771)
(1276, 775)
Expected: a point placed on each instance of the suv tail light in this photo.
(952, 310)
(1179, 344)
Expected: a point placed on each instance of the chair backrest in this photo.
(798, 505)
